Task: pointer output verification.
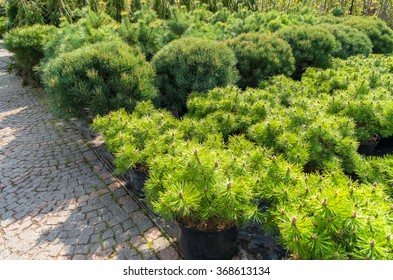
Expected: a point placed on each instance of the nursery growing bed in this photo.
(252, 243)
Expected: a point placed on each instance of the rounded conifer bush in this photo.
(27, 43)
(352, 41)
(192, 65)
(100, 77)
(311, 45)
(260, 56)
(379, 33)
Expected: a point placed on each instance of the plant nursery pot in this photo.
(137, 179)
(386, 142)
(197, 244)
(367, 148)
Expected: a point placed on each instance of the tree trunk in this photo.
(351, 7)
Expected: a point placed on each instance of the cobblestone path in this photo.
(57, 200)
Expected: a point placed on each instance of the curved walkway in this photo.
(57, 200)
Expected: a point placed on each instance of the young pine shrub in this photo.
(192, 65)
(151, 30)
(327, 216)
(379, 33)
(100, 77)
(208, 186)
(138, 137)
(377, 169)
(229, 110)
(311, 46)
(260, 56)
(27, 43)
(92, 28)
(352, 41)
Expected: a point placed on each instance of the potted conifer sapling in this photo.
(209, 190)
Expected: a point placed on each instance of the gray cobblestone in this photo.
(107, 234)
(95, 238)
(52, 204)
(109, 243)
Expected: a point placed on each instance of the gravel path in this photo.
(57, 199)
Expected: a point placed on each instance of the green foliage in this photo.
(101, 77)
(379, 170)
(150, 31)
(352, 41)
(136, 138)
(288, 144)
(327, 216)
(28, 45)
(57, 9)
(338, 12)
(302, 132)
(229, 111)
(117, 7)
(356, 90)
(25, 12)
(217, 183)
(209, 186)
(191, 64)
(3, 26)
(260, 56)
(128, 31)
(91, 28)
(311, 45)
(379, 33)
(29, 12)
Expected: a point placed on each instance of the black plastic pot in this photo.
(137, 179)
(386, 142)
(197, 244)
(367, 148)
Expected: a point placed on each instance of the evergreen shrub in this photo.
(137, 138)
(91, 28)
(379, 33)
(328, 216)
(191, 64)
(311, 45)
(260, 56)
(101, 77)
(207, 185)
(27, 43)
(352, 41)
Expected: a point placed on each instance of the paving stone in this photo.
(150, 256)
(100, 227)
(53, 205)
(168, 253)
(82, 249)
(160, 244)
(95, 238)
(137, 241)
(152, 234)
(104, 254)
(127, 225)
(84, 239)
(108, 243)
(144, 249)
(113, 222)
(79, 257)
(107, 234)
(95, 247)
